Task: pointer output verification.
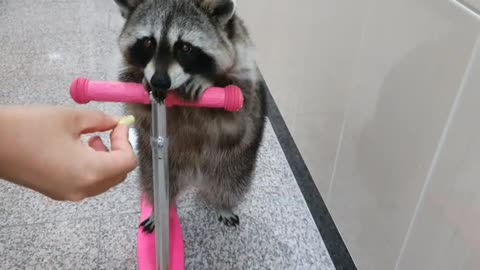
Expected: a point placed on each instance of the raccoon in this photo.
(188, 46)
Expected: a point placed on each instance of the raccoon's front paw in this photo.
(229, 219)
(193, 89)
(148, 225)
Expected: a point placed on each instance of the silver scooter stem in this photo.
(161, 203)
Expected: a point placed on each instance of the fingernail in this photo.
(127, 120)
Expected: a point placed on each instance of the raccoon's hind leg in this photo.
(225, 195)
(148, 224)
(226, 190)
(146, 178)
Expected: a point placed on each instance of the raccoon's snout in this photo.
(161, 81)
(158, 85)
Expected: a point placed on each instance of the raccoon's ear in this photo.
(222, 10)
(127, 6)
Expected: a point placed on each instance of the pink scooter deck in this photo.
(146, 242)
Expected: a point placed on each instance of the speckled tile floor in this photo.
(44, 45)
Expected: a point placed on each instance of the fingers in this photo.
(120, 160)
(93, 121)
(105, 169)
(97, 144)
(103, 186)
(91, 189)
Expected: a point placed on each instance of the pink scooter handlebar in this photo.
(83, 91)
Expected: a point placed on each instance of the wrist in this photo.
(11, 137)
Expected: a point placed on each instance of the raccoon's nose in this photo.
(161, 81)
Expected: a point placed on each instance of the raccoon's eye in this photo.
(142, 51)
(148, 43)
(182, 48)
(186, 48)
(193, 59)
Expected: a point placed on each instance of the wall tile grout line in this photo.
(348, 105)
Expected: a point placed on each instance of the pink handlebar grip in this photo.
(83, 91)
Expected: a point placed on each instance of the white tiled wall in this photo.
(308, 67)
(382, 98)
(445, 228)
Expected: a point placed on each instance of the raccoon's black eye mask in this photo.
(142, 51)
(193, 59)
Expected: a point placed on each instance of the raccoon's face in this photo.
(176, 42)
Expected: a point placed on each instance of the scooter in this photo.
(169, 254)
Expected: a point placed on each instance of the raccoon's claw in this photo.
(230, 220)
(194, 88)
(148, 225)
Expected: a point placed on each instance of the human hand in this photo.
(41, 148)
